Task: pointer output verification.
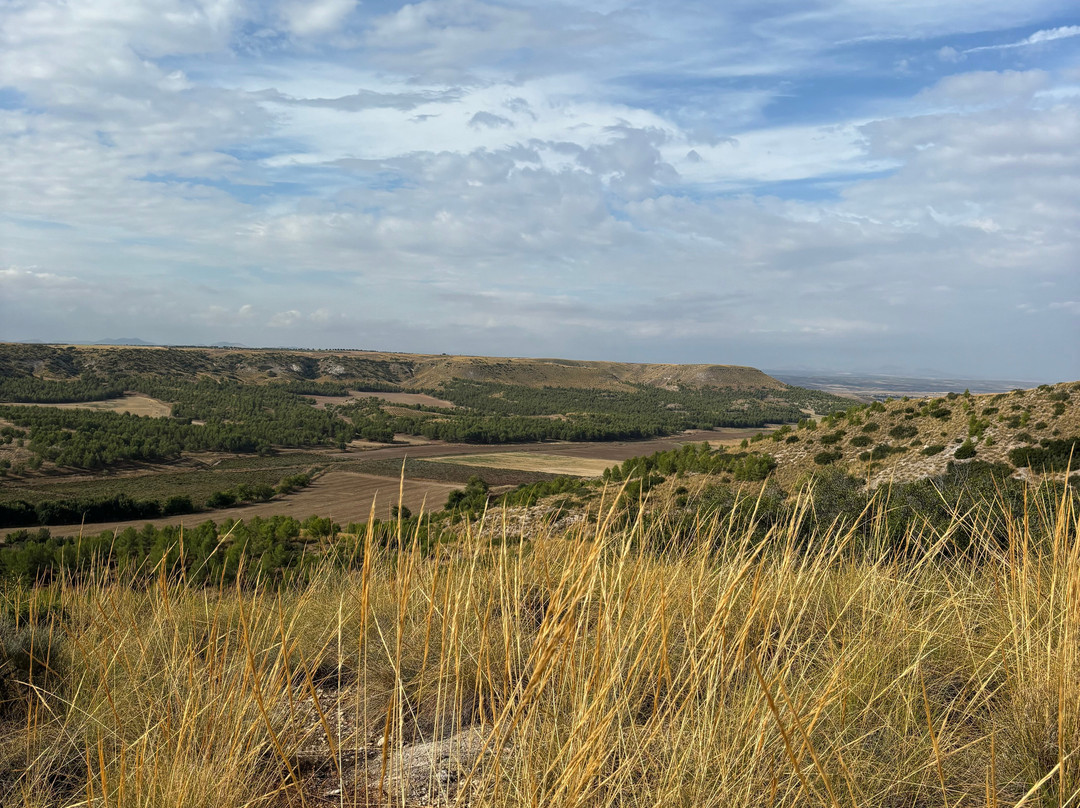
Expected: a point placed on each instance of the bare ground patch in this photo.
(133, 403)
(533, 461)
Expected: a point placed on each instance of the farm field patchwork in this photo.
(343, 496)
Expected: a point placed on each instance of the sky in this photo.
(847, 185)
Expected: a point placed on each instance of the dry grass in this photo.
(130, 402)
(577, 670)
(532, 461)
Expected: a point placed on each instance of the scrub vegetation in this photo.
(734, 662)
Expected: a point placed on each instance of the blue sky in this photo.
(839, 184)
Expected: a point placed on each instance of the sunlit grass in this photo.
(599, 666)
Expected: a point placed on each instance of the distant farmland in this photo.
(133, 403)
(532, 461)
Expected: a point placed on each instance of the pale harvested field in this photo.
(131, 402)
(341, 495)
(392, 398)
(532, 461)
(413, 398)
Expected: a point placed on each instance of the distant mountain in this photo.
(123, 341)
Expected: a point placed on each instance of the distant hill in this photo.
(123, 341)
(367, 368)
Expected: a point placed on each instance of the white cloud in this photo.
(284, 319)
(313, 17)
(1038, 38)
(530, 178)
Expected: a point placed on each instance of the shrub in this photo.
(827, 458)
(965, 451)
(832, 437)
(870, 426)
(753, 467)
(320, 527)
(1050, 455)
(861, 440)
(903, 432)
(177, 504)
(881, 451)
(221, 499)
(933, 449)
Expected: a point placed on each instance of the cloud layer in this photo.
(847, 185)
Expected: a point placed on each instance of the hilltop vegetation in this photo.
(364, 370)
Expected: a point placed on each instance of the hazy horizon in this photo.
(838, 186)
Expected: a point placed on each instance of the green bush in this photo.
(830, 438)
(826, 458)
(903, 432)
(1049, 455)
(965, 451)
(221, 499)
(861, 440)
(753, 467)
(177, 504)
(882, 450)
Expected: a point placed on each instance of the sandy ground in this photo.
(131, 402)
(343, 496)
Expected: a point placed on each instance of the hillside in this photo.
(365, 368)
(908, 439)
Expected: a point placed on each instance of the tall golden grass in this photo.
(575, 669)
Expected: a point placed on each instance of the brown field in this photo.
(341, 495)
(392, 398)
(533, 461)
(131, 402)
